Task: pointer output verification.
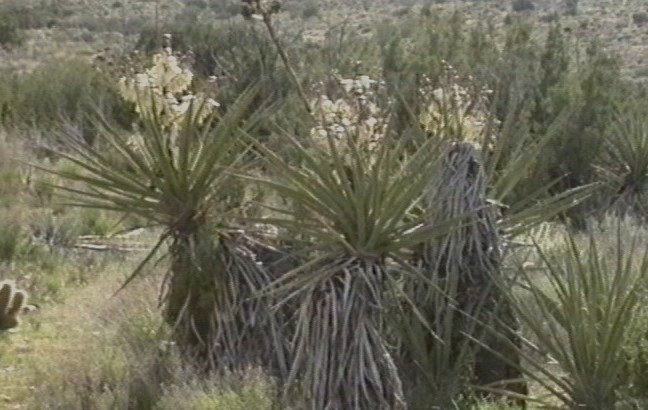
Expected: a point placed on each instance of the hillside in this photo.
(63, 28)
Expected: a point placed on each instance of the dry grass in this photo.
(85, 348)
(36, 354)
(102, 352)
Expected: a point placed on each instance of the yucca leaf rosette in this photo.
(359, 210)
(176, 172)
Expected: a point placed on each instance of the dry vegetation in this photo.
(324, 204)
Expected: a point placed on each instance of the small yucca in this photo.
(578, 310)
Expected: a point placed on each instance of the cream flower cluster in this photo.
(163, 91)
(355, 116)
(455, 111)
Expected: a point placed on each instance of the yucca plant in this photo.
(579, 311)
(625, 163)
(177, 173)
(355, 207)
(455, 298)
(458, 271)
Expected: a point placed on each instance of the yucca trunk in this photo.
(341, 357)
(470, 257)
(212, 303)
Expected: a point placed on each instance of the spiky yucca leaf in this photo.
(437, 358)
(168, 179)
(511, 154)
(181, 179)
(213, 295)
(579, 313)
(456, 284)
(358, 211)
(367, 207)
(443, 309)
(340, 355)
(625, 163)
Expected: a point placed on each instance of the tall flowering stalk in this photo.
(354, 116)
(454, 109)
(263, 11)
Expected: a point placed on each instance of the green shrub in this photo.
(225, 9)
(45, 14)
(10, 35)
(11, 184)
(55, 230)
(624, 162)
(311, 9)
(95, 222)
(571, 7)
(640, 18)
(11, 237)
(68, 90)
(522, 5)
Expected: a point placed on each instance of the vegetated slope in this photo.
(84, 27)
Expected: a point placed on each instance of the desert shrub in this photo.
(624, 161)
(589, 96)
(198, 4)
(11, 183)
(61, 229)
(45, 14)
(522, 5)
(47, 269)
(515, 75)
(553, 94)
(539, 85)
(95, 222)
(63, 90)
(571, 7)
(547, 83)
(10, 35)
(311, 9)
(54, 229)
(226, 9)
(14, 175)
(640, 18)
(11, 237)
